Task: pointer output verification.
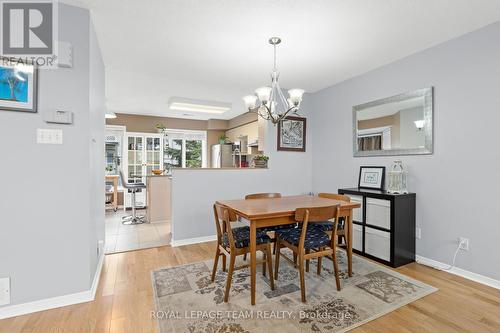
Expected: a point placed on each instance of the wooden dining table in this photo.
(278, 211)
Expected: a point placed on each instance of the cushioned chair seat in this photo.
(242, 237)
(328, 226)
(278, 227)
(315, 237)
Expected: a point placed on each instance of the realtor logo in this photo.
(29, 31)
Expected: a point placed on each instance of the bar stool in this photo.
(133, 188)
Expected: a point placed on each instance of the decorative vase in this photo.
(398, 176)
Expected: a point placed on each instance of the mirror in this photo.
(397, 125)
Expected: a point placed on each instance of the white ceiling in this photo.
(217, 49)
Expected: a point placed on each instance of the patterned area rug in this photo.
(187, 301)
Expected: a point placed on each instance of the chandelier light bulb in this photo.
(264, 93)
(250, 101)
(296, 96)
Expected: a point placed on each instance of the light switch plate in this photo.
(4, 291)
(49, 136)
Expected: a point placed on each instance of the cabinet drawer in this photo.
(357, 237)
(378, 212)
(357, 214)
(377, 243)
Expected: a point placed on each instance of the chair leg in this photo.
(336, 269)
(224, 263)
(229, 276)
(295, 259)
(307, 261)
(302, 278)
(264, 256)
(216, 261)
(277, 259)
(318, 271)
(270, 265)
(245, 257)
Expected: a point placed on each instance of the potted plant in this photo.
(223, 139)
(160, 128)
(260, 161)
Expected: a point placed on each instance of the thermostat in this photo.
(60, 117)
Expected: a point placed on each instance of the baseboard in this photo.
(189, 241)
(460, 272)
(54, 302)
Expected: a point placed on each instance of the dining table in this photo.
(279, 211)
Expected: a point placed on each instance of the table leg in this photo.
(349, 244)
(253, 259)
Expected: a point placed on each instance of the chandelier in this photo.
(269, 102)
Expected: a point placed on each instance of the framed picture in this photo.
(292, 134)
(371, 177)
(18, 85)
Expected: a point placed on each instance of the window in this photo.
(185, 149)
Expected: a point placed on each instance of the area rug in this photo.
(187, 301)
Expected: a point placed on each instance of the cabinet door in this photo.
(378, 212)
(357, 214)
(378, 243)
(135, 149)
(357, 237)
(153, 153)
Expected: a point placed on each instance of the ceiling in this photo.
(217, 49)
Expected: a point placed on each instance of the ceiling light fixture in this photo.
(110, 115)
(419, 124)
(274, 106)
(198, 107)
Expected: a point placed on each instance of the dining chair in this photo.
(309, 241)
(328, 225)
(272, 228)
(233, 242)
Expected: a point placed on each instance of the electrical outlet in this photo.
(463, 243)
(418, 233)
(4, 291)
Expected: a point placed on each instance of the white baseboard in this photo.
(189, 241)
(458, 271)
(54, 302)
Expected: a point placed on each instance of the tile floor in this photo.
(121, 237)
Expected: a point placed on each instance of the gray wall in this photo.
(50, 223)
(457, 190)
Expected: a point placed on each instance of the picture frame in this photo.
(18, 85)
(292, 134)
(371, 177)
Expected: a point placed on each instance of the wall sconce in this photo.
(419, 124)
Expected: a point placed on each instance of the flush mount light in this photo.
(180, 106)
(110, 115)
(419, 124)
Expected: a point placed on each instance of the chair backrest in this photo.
(317, 214)
(124, 182)
(335, 196)
(263, 196)
(223, 217)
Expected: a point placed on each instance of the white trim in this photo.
(458, 271)
(54, 302)
(189, 241)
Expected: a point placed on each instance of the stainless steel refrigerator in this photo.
(222, 156)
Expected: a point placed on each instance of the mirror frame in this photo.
(428, 148)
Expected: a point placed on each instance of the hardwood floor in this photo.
(124, 300)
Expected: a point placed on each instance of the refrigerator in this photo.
(222, 156)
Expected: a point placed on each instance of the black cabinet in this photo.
(384, 226)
